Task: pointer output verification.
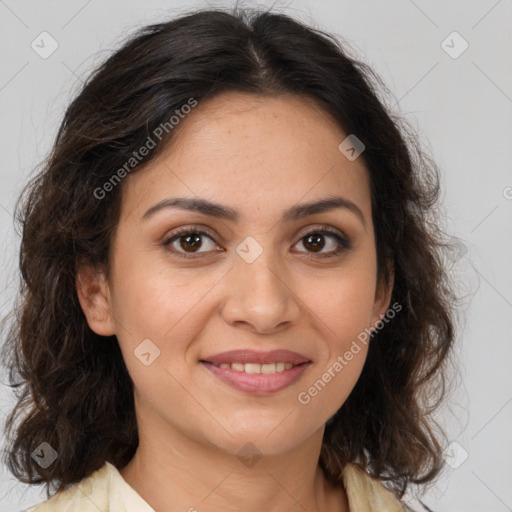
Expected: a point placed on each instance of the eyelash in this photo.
(343, 243)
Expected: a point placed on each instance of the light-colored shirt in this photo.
(106, 490)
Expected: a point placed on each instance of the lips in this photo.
(252, 356)
(257, 373)
(257, 383)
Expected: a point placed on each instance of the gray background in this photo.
(461, 108)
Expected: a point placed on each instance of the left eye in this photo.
(314, 239)
(190, 242)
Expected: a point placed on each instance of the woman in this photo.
(232, 295)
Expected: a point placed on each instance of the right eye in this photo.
(187, 240)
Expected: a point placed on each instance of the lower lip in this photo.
(258, 383)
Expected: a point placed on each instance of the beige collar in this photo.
(366, 494)
(106, 489)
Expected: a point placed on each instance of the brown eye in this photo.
(191, 241)
(315, 242)
(187, 242)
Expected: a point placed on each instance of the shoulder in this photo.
(104, 490)
(88, 495)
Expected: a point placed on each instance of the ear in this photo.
(383, 295)
(94, 296)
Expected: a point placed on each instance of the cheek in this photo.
(342, 310)
(167, 308)
(343, 315)
(163, 307)
(150, 299)
(344, 305)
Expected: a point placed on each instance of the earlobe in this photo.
(94, 296)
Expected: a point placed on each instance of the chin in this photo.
(258, 442)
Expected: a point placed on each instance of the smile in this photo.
(257, 379)
(267, 368)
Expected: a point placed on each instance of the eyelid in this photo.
(200, 228)
(324, 228)
(194, 228)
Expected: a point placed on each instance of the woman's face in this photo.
(257, 280)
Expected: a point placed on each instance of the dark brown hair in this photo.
(72, 385)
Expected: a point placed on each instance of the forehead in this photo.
(251, 151)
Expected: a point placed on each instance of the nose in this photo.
(260, 296)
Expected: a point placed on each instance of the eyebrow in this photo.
(294, 213)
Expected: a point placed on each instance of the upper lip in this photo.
(253, 356)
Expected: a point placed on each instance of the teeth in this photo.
(266, 368)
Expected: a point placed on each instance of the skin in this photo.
(258, 155)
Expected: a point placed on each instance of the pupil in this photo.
(317, 243)
(192, 239)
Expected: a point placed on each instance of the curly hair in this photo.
(73, 389)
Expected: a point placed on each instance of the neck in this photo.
(171, 467)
